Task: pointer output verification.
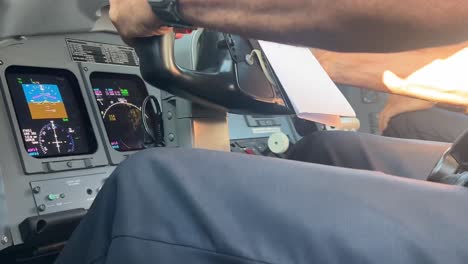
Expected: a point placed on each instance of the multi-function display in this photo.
(119, 98)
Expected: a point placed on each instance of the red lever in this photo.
(249, 151)
(179, 35)
(180, 32)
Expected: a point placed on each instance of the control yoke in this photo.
(235, 83)
(453, 167)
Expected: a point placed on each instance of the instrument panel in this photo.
(71, 112)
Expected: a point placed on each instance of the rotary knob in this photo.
(278, 143)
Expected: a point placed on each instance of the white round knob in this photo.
(278, 143)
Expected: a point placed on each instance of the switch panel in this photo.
(254, 146)
(65, 194)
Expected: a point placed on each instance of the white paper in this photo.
(312, 93)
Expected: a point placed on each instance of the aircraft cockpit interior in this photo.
(76, 102)
(72, 110)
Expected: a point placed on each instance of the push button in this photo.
(52, 197)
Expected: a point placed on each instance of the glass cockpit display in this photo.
(51, 112)
(120, 98)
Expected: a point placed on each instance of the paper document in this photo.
(312, 93)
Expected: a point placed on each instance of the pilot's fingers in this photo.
(161, 31)
(389, 111)
(397, 105)
(135, 19)
(384, 119)
(400, 86)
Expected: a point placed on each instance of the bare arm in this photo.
(366, 69)
(344, 25)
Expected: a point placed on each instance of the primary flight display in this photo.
(51, 112)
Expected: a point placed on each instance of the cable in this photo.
(157, 137)
(249, 58)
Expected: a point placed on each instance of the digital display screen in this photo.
(51, 112)
(120, 98)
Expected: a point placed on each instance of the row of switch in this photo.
(53, 197)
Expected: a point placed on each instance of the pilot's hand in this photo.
(135, 19)
(397, 105)
(442, 81)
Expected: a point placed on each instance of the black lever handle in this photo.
(219, 87)
(459, 150)
(453, 166)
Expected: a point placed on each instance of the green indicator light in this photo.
(52, 197)
(65, 120)
(124, 92)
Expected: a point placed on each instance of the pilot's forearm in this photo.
(366, 69)
(346, 25)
